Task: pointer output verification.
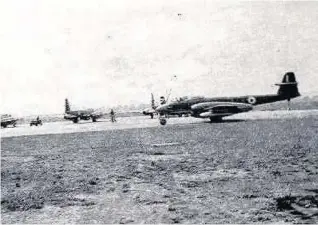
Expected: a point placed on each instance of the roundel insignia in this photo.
(251, 100)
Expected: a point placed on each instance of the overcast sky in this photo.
(104, 53)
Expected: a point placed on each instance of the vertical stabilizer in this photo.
(288, 87)
(67, 106)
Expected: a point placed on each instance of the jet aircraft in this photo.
(7, 120)
(77, 115)
(217, 108)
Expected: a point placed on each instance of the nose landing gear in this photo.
(163, 121)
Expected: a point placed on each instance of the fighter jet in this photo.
(7, 120)
(217, 108)
(77, 115)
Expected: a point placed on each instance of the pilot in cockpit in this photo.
(162, 100)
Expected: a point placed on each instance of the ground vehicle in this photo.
(36, 122)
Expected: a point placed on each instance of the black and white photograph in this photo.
(159, 112)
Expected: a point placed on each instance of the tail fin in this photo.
(152, 102)
(288, 87)
(67, 106)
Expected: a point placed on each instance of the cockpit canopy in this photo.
(185, 98)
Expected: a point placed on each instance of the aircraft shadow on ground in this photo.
(9, 127)
(226, 121)
(89, 122)
(213, 122)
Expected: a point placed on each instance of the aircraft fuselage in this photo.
(8, 120)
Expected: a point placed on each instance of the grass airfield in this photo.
(251, 168)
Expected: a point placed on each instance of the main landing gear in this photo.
(75, 120)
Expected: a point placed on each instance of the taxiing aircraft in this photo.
(77, 115)
(217, 108)
(7, 120)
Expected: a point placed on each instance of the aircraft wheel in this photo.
(94, 119)
(4, 126)
(75, 120)
(163, 121)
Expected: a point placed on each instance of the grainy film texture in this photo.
(159, 112)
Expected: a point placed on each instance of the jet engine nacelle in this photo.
(222, 107)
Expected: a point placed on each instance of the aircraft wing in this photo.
(98, 113)
(70, 116)
(86, 113)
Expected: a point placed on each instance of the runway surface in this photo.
(83, 126)
(143, 122)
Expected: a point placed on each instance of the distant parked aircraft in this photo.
(7, 119)
(152, 110)
(77, 115)
(217, 108)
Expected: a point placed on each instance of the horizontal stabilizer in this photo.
(290, 83)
